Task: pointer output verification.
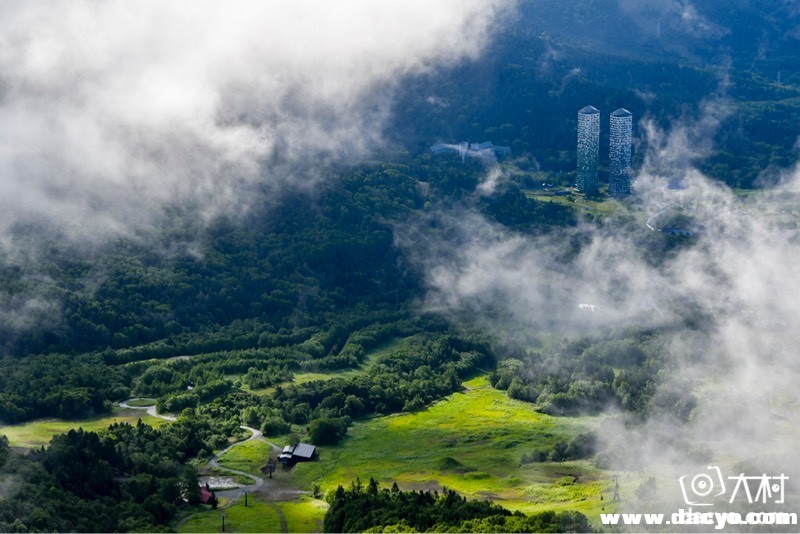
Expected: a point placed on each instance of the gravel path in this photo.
(236, 493)
(233, 494)
(151, 410)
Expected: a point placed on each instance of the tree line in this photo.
(588, 375)
(123, 479)
(371, 508)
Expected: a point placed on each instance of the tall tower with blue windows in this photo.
(588, 149)
(619, 154)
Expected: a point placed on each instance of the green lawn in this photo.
(260, 515)
(471, 442)
(36, 433)
(249, 457)
(305, 515)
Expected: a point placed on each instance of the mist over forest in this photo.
(231, 226)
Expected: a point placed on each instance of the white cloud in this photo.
(109, 110)
(740, 270)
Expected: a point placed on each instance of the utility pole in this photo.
(245, 499)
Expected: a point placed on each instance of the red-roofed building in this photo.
(206, 495)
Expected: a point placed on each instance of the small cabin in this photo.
(286, 455)
(302, 452)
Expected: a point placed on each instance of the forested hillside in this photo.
(310, 283)
(214, 319)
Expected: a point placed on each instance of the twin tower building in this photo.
(619, 151)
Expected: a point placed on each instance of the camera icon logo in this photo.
(701, 486)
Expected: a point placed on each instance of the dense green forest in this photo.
(200, 315)
(316, 285)
(317, 294)
(310, 284)
(625, 370)
(127, 478)
(372, 509)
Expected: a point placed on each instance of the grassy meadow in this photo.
(304, 515)
(258, 516)
(471, 442)
(261, 515)
(249, 457)
(33, 434)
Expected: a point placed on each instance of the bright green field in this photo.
(39, 432)
(249, 457)
(261, 516)
(258, 516)
(305, 515)
(471, 442)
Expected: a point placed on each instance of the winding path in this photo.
(235, 494)
(151, 410)
(661, 209)
(232, 494)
